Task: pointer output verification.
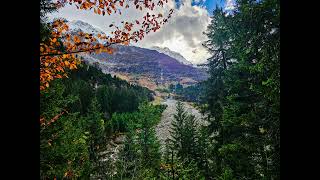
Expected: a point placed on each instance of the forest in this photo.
(83, 110)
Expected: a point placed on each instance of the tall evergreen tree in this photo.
(177, 130)
(95, 125)
(183, 135)
(129, 163)
(243, 94)
(149, 144)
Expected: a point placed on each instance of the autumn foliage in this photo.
(58, 53)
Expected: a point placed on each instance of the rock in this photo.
(119, 139)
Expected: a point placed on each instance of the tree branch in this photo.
(86, 50)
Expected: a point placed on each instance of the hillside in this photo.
(158, 67)
(147, 67)
(172, 54)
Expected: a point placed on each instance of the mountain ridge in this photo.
(158, 68)
(172, 54)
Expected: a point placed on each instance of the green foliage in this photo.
(226, 175)
(113, 94)
(121, 122)
(81, 125)
(129, 163)
(186, 151)
(193, 93)
(183, 133)
(243, 91)
(140, 157)
(64, 148)
(163, 90)
(95, 124)
(241, 101)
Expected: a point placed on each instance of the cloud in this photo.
(183, 33)
(230, 5)
(200, 1)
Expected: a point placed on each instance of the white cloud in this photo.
(230, 5)
(197, 1)
(183, 33)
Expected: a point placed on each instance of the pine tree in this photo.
(183, 135)
(203, 148)
(218, 45)
(129, 163)
(243, 90)
(148, 143)
(169, 160)
(190, 138)
(95, 125)
(177, 130)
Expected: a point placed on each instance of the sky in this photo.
(183, 33)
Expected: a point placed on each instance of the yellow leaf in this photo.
(262, 130)
(66, 63)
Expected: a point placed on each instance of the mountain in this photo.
(155, 66)
(77, 25)
(172, 54)
(146, 67)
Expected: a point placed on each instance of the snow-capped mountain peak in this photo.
(172, 54)
(77, 25)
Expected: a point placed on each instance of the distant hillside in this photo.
(172, 54)
(157, 66)
(146, 67)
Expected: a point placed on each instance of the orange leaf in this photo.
(108, 11)
(126, 42)
(113, 7)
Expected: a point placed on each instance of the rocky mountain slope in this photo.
(172, 54)
(140, 65)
